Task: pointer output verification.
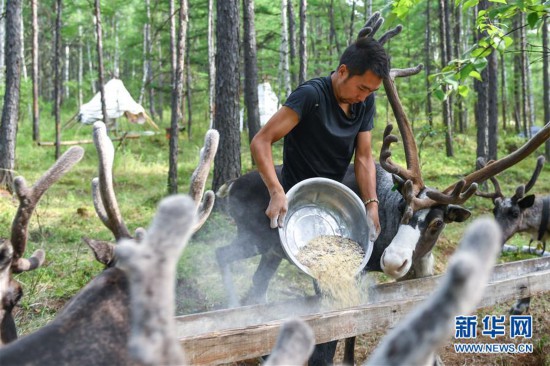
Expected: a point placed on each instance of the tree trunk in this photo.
(35, 80)
(285, 87)
(303, 42)
(227, 164)
(211, 63)
(189, 84)
(160, 95)
(116, 61)
(10, 110)
(250, 70)
(100, 69)
(22, 49)
(177, 97)
(546, 81)
(444, 49)
(80, 65)
(461, 108)
(368, 8)
(57, 78)
(492, 71)
(524, 88)
(517, 76)
(503, 92)
(333, 37)
(481, 107)
(66, 72)
(292, 41)
(2, 40)
(91, 65)
(351, 23)
(428, 61)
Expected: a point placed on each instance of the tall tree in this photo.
(250, 70)
(461, 110)
(211, 63)
(503, 92)
(35, 67)
(545, 80)
(285, 87)
(517, 76)
(227, 164)
(57, 77)
(292, 41)
(524, 71)
(188, 82)
(445, 58)
(302, 76)
(428, 61)
(2, 39)
(481, 107)
(10, 110)
(177, 97)
(492, 113)
(100, 69)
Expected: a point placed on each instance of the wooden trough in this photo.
(251, 331)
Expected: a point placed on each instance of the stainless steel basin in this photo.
(320, 206)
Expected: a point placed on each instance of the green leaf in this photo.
(465, 71)
(498, 1)
(482, 52)
(507, 41)
(440, 95)
(476, 75)
(463, 90)
(532, 19)
(469, 4)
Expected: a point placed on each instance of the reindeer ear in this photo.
(526, 201)
(104, 251)
(454, 213)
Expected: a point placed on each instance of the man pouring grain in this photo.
(324, 122)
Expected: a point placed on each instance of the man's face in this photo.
(355, 89)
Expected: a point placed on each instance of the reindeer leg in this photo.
(521, 306)
(227, 255)
(266, 269)
(349, 351)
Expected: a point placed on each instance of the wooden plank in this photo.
(254, 340)
(257, 314)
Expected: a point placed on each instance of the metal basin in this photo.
(320, 206)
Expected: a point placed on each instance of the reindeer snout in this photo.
(395, 264)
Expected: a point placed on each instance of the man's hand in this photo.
(276, 211)
(373, 222)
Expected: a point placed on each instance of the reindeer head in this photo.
(426, 210)
(509, 211)
(13, 249)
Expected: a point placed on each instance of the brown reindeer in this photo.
(94, 326)
(13, 249)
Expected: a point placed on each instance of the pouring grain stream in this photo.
(333, 261)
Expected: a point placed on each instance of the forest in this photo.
(195, 65)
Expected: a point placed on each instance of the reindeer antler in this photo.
(521, 190)
(28, 199)
(198, 179)
(494, 168)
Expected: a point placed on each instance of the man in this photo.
(324, 122)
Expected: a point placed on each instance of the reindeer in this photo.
(13, 249)
(521, 213)
(412, 216)
(94, 326)
(414, 341)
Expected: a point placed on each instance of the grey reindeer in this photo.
(521, 213)
(415, 340)
(412, 215)
(94, 326)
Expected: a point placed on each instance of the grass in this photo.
(66, 213)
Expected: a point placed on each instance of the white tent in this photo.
(268, 104)
(118, 101)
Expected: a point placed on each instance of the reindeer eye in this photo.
(436, 224)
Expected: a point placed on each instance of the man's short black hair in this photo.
(366, 54)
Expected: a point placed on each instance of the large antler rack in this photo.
(412, 175)
(495, 167)
(105, 202)
(521, 190)
(28, 199)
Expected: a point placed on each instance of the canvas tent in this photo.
(118, 101)
(268, 104)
